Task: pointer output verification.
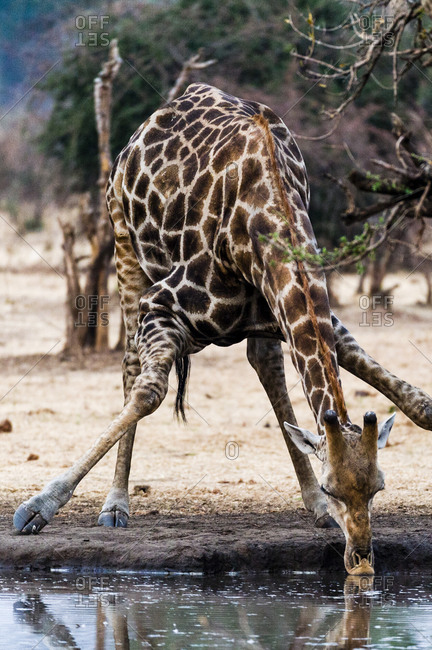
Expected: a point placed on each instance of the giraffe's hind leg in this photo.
(132, 284)
(115, 511)
(266, 357)
(160, 341)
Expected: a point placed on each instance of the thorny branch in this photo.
(375, 31)
(408, 185)
(381, 39)
(347, 253)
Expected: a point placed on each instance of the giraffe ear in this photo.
(302, 438)
(384, 430)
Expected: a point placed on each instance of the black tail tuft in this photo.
(182, 367)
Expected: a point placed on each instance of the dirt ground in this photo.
(192, 507)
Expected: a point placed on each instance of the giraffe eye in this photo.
(329, 494)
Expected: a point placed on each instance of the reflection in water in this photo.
(33, 612)
(353, 630)
(302, 611)
(352, 627)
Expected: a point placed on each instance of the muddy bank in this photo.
(213, 544)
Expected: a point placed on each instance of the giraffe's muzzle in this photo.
(360, 562)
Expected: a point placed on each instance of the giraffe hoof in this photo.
(325, 521)
(113, 519)
(28, 522)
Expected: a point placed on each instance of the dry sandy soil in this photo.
(201, 509)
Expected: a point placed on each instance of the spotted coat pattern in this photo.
(194, 199)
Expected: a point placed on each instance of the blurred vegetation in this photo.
(248, 38)
(252, 42)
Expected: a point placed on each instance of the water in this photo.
(101, 611)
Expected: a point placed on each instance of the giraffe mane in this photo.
(322, 345)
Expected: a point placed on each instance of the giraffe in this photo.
(194, 198)
(347, 628)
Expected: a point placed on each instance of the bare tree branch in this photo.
(189, 66)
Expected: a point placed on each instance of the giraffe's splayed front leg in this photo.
(326, 521)
(414, 402)
(148, 391)
(316, 503)
(37, 512)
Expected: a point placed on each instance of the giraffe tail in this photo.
(182, 367)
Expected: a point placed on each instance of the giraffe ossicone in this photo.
(194, 199)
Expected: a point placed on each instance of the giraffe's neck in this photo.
(299, 300)
(300, 303)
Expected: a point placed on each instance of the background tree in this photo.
(86, 324)
(391, 41)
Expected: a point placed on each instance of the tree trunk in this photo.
(99, 269)
(427, 277)
(361, 283)
(88, 314)
(120, 345)
(378, 271)
(333, 299)
(73, 343)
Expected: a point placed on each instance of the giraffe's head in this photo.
(350, 478)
